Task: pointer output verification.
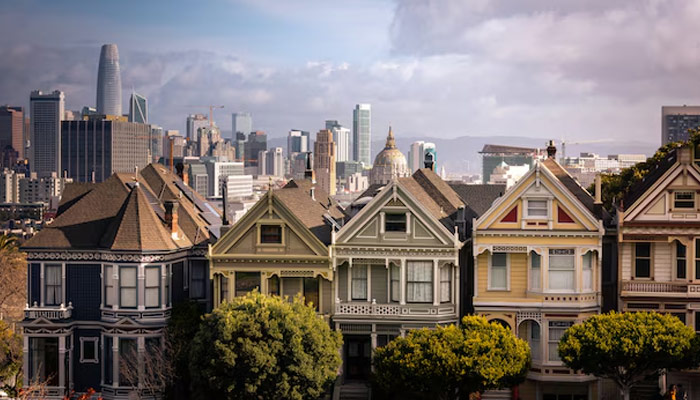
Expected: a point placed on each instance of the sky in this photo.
(575, 70)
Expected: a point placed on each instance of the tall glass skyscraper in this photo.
(138, 109)
(362, 134)
(46, 110)
(109, 82)
(241, 122)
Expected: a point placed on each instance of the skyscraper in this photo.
(676, 120)
(241, 122)
(362, 133)
(194, 122)
(138, 109)
(46, 111)
(341, 137)
(324, 161)
(418, 154)
(109, 82)
(102, 147)
(271, 162)
(297, 142)
(257, 142)
(12, 128)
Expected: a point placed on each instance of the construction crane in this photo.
(564, 142)
(211, 112)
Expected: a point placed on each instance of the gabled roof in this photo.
(478, 198)
(118, 215)
(575, 188)
(322, 198)
(638, 189)
(435, 195)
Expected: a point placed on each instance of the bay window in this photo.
(53, 285)
(128, 297)
(395, 280)
(152, 284)
(419, 281)
(198, 280)
(311, 295)
(108, 278)
(681, 262)
(562, 269)
(535, 271)
(359, 282)
(588, 271)
(43, 360)
(445, 284)
(223, 285)
(246, 282)
(498, 275)
(642, 260)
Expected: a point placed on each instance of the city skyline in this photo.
(397, 59)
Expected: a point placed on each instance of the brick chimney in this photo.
(171, 207)
(551, 150)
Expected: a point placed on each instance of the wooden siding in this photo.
(379, 277)
(662, 261)
(626, 260)
(518, 278)
(326, 295)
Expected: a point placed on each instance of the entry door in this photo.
(358, 357)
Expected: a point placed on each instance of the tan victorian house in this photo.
(537, 257)
(659, 246)
(279, 247)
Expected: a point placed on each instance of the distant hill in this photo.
(461, 154)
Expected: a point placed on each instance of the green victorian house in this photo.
(280, 247)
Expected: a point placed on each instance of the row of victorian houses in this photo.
(416, 252)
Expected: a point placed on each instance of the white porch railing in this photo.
(396, 310)
(655, 287)
(50, 313)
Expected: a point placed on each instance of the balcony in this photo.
(394, 311)
(48, 312)
(660, 289)
(155, 315)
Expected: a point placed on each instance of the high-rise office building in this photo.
(324, 161)
(421, 152)
(194, 122)
(297, 142)
(341, 137)
(241, 122)
(271, 162)
(109, 82)
(95, 148)
(362, 134)
(676, 121)
(46, 111)
(156, 143)
(12, 129)
(138, 109)
(240, 146)
(257, 142)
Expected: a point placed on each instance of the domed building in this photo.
(389, 163)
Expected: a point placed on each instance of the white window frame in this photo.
(490, 284)
(450, 279)
(675, 199)
(60, 285)
(550, 341)
(355, 269)
(394, 283)
(592, 262)
(108, 285)
(549, 271)
(531, 273)
(85, 341)
(537, 199)
(146, 287)
(135, 287)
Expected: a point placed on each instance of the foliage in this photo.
(182, 327)
(10, 359)
(629, 347)
(13, 279)
(616, 186)
(448, 361)
(154, 369)
(263, 347)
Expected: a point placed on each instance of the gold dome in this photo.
(390, 156)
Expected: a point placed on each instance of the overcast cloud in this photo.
(562, 69)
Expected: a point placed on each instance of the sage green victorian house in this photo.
(396, 265)
(279, 247)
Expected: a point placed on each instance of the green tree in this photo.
(264, 347)
(629, 347)
(182, 327)
(447, 362)
(10, 359)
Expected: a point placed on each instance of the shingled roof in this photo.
(478, 198)
(435, 195)
(575, 188)
(119, 214)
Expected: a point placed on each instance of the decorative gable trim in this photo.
(659, 187)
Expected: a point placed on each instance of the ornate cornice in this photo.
(102, 255)
(372, 252)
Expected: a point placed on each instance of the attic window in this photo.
(395, 222)
(537, 208)
(684, 199)
(271, 234)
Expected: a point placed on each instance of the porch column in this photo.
(335, 281)
(455, 284)
(403, 282)
(163, 280)
(232, 285)
(63, 285)
(61, 361)
(369, 282)
(436, 283)
(115, 361)
(141, 287)
(42, 292)
(25, 361)
(216, 298)
(349, 280)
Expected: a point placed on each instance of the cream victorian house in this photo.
(279, 247)
(396, 265)
(659, 246)
(537, 254)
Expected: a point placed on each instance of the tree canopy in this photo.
(264, 347)
(629, 347)
(448, 361)
(10, 359)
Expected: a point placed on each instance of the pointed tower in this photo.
(109, 82)
(390, 163)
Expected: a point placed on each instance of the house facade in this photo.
(102, 279)
(659, 247)
(537, 271)
(396, 266)
(280, 247)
